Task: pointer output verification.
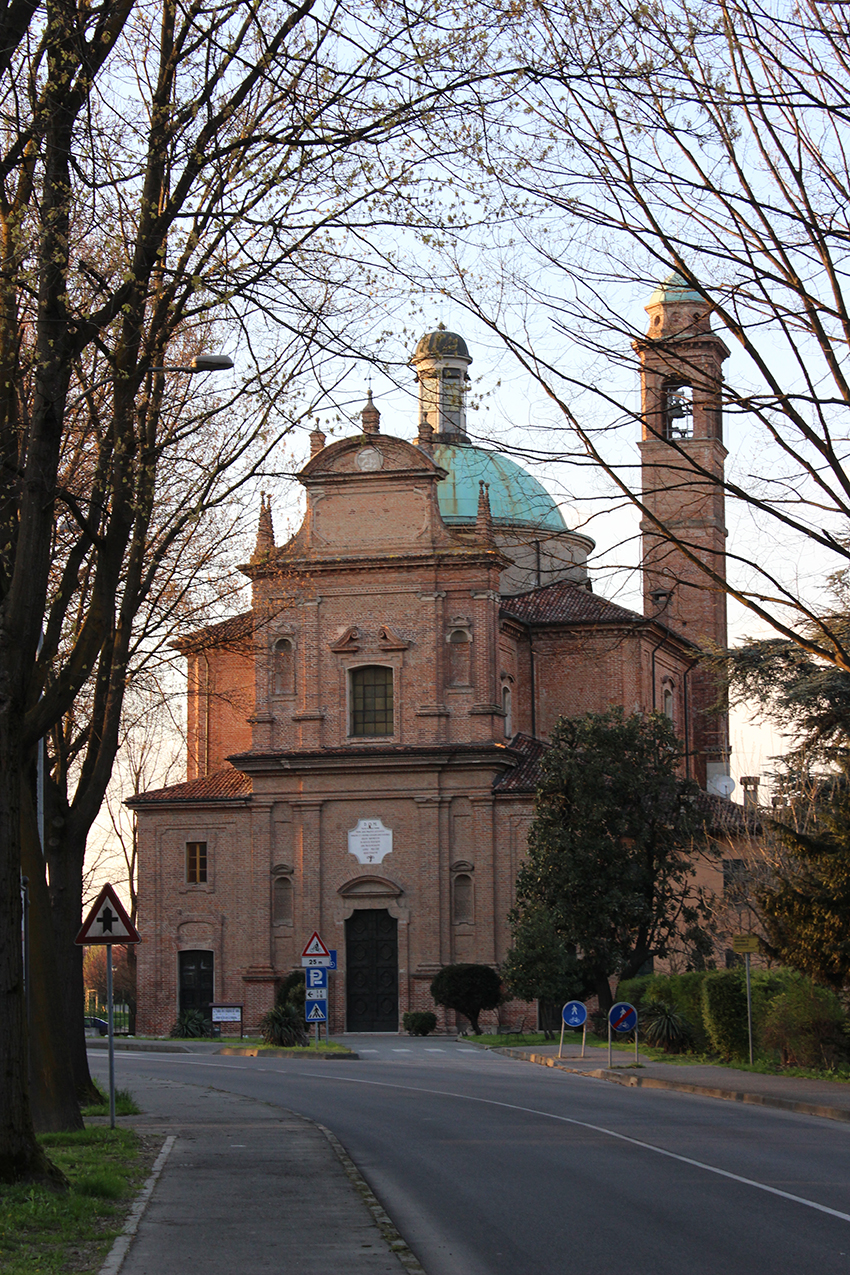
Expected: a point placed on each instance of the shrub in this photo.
(284, 1026)
(191, 1023)
(662, 1025)
(806, 1024)
(420, 1023)
(468, 989)
(292, 990)
(633, 990)
(724, 1005)
(684, 993)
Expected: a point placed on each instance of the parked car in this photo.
(95, 1026)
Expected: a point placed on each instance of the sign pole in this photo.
(561, 1046)
(749, 1009)
(110, 1016)
(609, 1043)
(636, 1043)
(583, 1037)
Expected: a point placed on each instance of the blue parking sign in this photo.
(316, 977)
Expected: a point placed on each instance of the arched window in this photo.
(678, 411)
(667, 701)
(506, 709)
(462, 897)
(459, 644)
(282, 901)
(372, 700)
(284, 667)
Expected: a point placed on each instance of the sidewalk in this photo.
(249, 1186)
(825, 1098)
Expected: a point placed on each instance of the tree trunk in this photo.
(66, 899)
(21, 1157)
(53, 1096)
(603, 992)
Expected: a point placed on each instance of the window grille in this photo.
(372, 701)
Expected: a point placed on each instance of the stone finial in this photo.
(370, 416)
(484, 520)
(426, 435)
(265, 529)
(317, 442)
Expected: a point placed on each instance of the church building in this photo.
(364, 743)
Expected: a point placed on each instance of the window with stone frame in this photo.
(507, 710)
(283, 677)
(372, 701)
(196, 862)
(678, 410)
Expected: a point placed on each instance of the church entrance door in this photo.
(371, 971)
(196, 981)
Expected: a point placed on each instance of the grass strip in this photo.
(125, 1103)
(42, 1232)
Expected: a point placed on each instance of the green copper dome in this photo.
(441, 344)
(516, 499)
(675, 288)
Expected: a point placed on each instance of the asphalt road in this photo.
(492, 1166)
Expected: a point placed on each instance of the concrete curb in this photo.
(253, 1051)
(682, 1086)
(382, 1219)
(115, 1258)
(143, 1046)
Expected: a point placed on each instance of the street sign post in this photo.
(108, 923)
(227, 1013)
(745, 945)
(316, 960)
(574, 1014)
(622, 1017)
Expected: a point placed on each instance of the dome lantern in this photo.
(440, 361)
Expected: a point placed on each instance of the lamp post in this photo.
(200, 363)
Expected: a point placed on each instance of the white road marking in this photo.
(533, 1111)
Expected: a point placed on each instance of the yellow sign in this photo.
(744, 943)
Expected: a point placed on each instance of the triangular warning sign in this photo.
(108, 922)
(316, 1014)
(315, 947)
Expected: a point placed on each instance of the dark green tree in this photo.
(468, 989)
(611, 848)
(804, 902)
(540, 966)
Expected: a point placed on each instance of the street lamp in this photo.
(200, 363)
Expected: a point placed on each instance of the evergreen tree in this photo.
(611, 848)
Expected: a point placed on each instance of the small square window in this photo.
(196, 862)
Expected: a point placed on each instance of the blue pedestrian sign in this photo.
(574, 1014)
(316, 1011)
(316, 978)
(623, 1017)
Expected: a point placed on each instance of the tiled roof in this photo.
(566, 603)
(526, 776)
(222, 785)
(232, 630)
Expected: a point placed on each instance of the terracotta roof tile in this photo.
(526, 776)
(222, 785)
(236, 629)
(566, 603)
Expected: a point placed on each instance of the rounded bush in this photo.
(806, 1025)
(419, 1023)
(468, 989)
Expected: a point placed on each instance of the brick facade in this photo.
(377, 577)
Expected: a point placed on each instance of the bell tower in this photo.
(682, 469)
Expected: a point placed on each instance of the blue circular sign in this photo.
(574, 1014)
(623, 1017)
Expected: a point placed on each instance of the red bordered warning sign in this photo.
(108, 922)
(316, 947)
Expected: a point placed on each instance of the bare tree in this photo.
(165, 173)
(710, 141)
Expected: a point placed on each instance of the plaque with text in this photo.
(370, 841)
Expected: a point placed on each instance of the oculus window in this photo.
(372, 701)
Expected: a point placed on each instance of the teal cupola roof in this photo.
(675, 289)
(516, 498)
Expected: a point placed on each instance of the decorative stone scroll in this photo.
(370, 841)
